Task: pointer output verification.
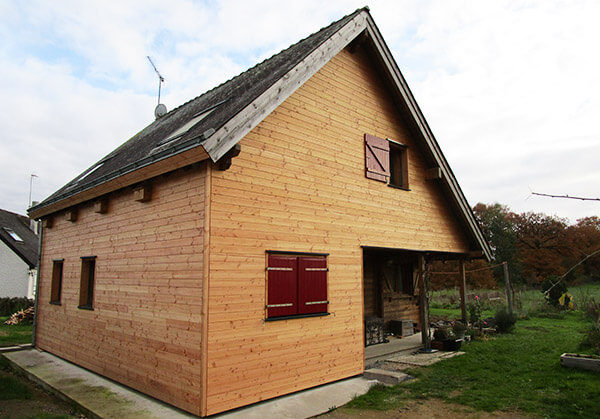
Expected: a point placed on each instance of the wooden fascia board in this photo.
(159, 167)
(415, 113)
(241, 124)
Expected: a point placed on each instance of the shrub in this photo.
(10, 305)
(475, 312)
(505, 321)
(553, 296)
(443, 333)
(592, 310)
(592, 338)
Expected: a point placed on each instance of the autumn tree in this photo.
(583, 239)
(541, 245)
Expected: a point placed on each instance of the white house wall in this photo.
(14, 274)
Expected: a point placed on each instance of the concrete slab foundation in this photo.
(99, 397)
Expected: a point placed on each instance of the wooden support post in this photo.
(508, 287)
(424, 304)
(462, 277)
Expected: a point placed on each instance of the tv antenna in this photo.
(160, 109)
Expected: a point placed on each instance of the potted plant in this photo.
(444, 339)
(459, 329)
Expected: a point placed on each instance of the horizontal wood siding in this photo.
(299, 185)
(146, 326)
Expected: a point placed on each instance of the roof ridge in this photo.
(365, 8)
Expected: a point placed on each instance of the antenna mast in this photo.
(161, 79)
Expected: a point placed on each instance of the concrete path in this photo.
(95, 395)
(100, 397)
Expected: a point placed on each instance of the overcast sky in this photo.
(511, 89)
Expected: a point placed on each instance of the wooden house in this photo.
(230, 251)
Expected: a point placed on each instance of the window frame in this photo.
(87, 282)
(398, 165)
(56, 281)
(386, 161)
(299, 270)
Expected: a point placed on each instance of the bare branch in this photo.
(565, 196)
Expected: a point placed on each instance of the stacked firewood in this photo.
(21, 316)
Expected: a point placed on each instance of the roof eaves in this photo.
(36, 211)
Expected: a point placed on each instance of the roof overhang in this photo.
(126, 177)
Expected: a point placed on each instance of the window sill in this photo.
(56, 303)
(86, 308)
(398, 187)
(296, 316)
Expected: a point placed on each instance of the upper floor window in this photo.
(386, 161)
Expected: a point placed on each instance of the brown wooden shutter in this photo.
(377, 158)
(282, 288)
(312, 285)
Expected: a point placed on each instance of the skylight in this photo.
(14, 235)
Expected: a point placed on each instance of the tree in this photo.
(584, 239)
(497, 223)
(541, 245)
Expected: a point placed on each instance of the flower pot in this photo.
(452, 344)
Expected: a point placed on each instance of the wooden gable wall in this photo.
(145, 329)
(299, 185)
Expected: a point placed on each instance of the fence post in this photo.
(508, 288)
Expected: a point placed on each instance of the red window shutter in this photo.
(282, 288)
(377, 158)
(312, 285)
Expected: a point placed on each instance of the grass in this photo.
(519, 371)
(14, 334)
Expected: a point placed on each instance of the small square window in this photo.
(86, 289)
(56, 286)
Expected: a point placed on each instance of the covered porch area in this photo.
(396, 300)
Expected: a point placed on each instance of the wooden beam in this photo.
(508, 287)
(47, 222)
(434, 173)
(101, 206)
(463, 289)
(71, 215)
(424, 304)
(142, 193)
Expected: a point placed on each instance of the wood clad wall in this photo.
(299, 185)
(146, 327)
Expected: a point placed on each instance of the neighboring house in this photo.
(230, 251)
(18, 255)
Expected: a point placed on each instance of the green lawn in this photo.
(14, 334)
(519, 371)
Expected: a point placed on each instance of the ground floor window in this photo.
(86, 289)
(56, 285)
(296, 284)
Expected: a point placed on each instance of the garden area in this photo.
(516, 373)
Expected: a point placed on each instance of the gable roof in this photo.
(16, 234)
(218, 119)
